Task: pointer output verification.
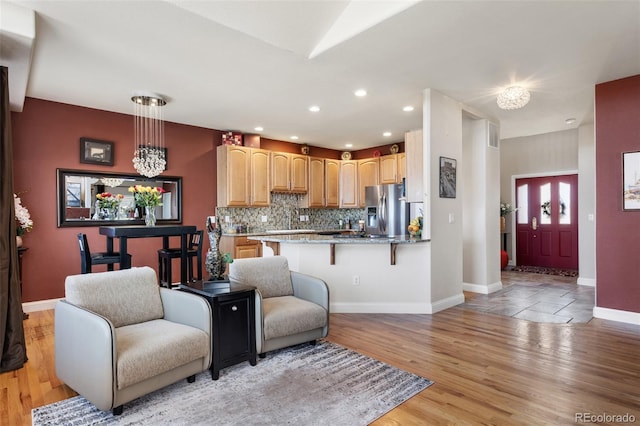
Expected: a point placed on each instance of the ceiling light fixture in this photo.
(348, 145)
(386, 134)
(294, 137)
(570, 121)
(148, 143)
(360, 93)
(112, 182)
(513, 97)
(408, 108)
(314, 108)
(258, 129)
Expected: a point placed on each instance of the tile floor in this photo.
(537, 298)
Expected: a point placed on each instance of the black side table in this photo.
(233, 328)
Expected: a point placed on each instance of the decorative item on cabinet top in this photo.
(232, 138)
(304, 149)
(346, 155)
(394, 148)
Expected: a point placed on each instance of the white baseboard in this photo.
(617, 315)
(379, 308)
(447, 303)
(483, 289)
(40, 305)
(588, 282)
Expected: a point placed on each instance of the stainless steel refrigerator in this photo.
(387, 212)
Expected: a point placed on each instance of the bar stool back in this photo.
(88, 259)
(194, 250)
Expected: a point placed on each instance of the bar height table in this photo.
(123, 233)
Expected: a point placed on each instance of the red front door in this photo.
(547, 221)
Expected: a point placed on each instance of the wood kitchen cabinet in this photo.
(240, 247)
(243, 176)
(392, 168)
(368, 175)
(414, 166)
(349, 184)
(324, 183)
(289, 172)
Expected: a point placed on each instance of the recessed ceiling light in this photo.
(386, 134)
(360, 93)
(314, 108)
(348, 145)
(570, 120)
(294, 137)
(258, 129)
(408, 108)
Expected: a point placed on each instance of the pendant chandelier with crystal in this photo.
(112, 182)
(513, 97)
(149, 154)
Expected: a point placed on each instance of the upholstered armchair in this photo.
(119, 336)
(291, 308)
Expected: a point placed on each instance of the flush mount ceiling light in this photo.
(360, 93)
(570, 121)
(314, 108)
(148, 123)
(408, 108)
(386, 134)
(294, 137)
(513, 97)
(258, 129)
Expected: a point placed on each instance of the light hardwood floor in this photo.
(487, 369)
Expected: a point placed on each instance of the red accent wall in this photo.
(46, 136)
(617, 231)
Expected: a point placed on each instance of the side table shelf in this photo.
(233, 328)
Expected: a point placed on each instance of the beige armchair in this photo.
(119, 336)
(291, 307)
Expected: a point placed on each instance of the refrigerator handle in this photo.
(383, 214)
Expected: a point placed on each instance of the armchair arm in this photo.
(186, 308)
(310, 288)
(85, 353)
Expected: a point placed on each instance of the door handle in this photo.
(534, 223)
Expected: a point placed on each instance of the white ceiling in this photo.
(234, 65)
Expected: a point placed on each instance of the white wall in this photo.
(442, 136)
(480, 198)
(586, 205)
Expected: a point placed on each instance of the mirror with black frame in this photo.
(89, 198)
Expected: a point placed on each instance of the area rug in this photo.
(544, 270)
(325, 384)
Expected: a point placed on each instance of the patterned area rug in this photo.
(543, 270)
(325, 384)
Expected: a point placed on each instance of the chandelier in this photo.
(112, 182)
(513, 97)
(149, 154)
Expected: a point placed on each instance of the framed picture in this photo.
(93, 151)
(447, 177)
(73, 195)
(631, 180)
(164, 149)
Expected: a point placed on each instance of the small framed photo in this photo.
(93, 151)
(447, 177)
(631, 180)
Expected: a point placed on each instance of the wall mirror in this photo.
(78, 203)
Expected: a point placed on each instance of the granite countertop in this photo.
(313, 238)
(284, 232)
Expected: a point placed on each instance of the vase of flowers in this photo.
(505, 209)
(25, 224)
(109, 204)
(148, 197)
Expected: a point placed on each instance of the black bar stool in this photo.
(194, 250)
(88, 259)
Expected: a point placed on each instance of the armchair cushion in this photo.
(117, 298)
(270, 275)
(150, 348)
(287, 315)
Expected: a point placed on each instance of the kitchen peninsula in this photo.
(373, 275)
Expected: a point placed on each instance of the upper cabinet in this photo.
(243, 176)
(289, 172)
(368, 175)
(349, 184)
(392, 168)
(414, 166)
(324, 184)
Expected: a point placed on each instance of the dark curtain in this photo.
(13, 352)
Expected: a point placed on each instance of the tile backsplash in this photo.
(284, 213)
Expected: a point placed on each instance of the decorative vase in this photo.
(18, 241)
(503, 223)
(214, 261)
(504, 259)
(150, 216)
